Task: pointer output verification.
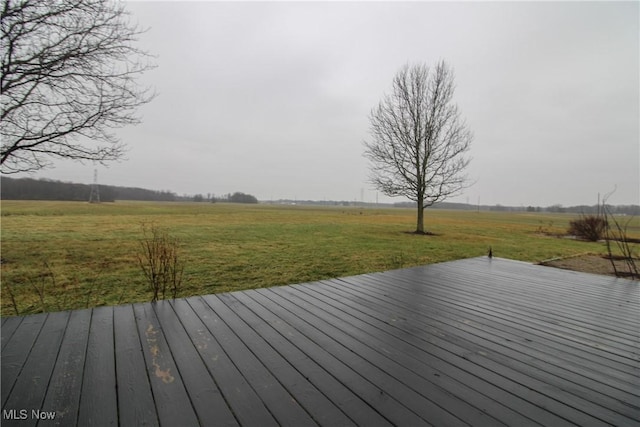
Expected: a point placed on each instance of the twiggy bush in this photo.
(589, 227)
(159, 259)
(619, 235)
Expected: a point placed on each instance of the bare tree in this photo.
(69, 70)
(418, 138)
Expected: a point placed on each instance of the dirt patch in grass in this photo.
(421, 233)
(590, 263)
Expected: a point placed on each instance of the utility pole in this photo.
(94, 197)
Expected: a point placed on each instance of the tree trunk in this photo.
(420, 224)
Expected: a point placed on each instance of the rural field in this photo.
(69, 255)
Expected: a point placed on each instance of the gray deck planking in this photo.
(469, 342)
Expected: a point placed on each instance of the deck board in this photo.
(31, 385)
(508, 363)
(171, 399)
(301, 389)
(401, 346)
(390, 377)
(242, 399)
(98, 396)
(15, 355)
(282, 339)
(443, 402)
(471, 342)
(204, 394)
(531, 339)
(363, 386)
(284, 408)
(9, 325)
(135, 398)
(63, 393)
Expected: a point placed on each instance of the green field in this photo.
(68, 255)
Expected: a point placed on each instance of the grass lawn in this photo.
(68, 255)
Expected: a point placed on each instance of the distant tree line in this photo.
(236, 197)
(46, 189)
(617, 210)
(580, 209)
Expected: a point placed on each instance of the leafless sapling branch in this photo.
(620, 236)
(159, 259)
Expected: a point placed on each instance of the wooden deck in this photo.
(473, 342)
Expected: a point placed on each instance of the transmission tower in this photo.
(94, 197)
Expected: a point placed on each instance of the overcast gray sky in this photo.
(272, 99)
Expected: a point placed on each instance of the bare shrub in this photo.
(619, 235)
(159, 259)
(39, 282)
(589, 227)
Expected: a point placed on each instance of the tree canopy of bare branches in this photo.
(69, 78)
(418, 140)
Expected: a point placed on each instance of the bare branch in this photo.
(69, 71)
